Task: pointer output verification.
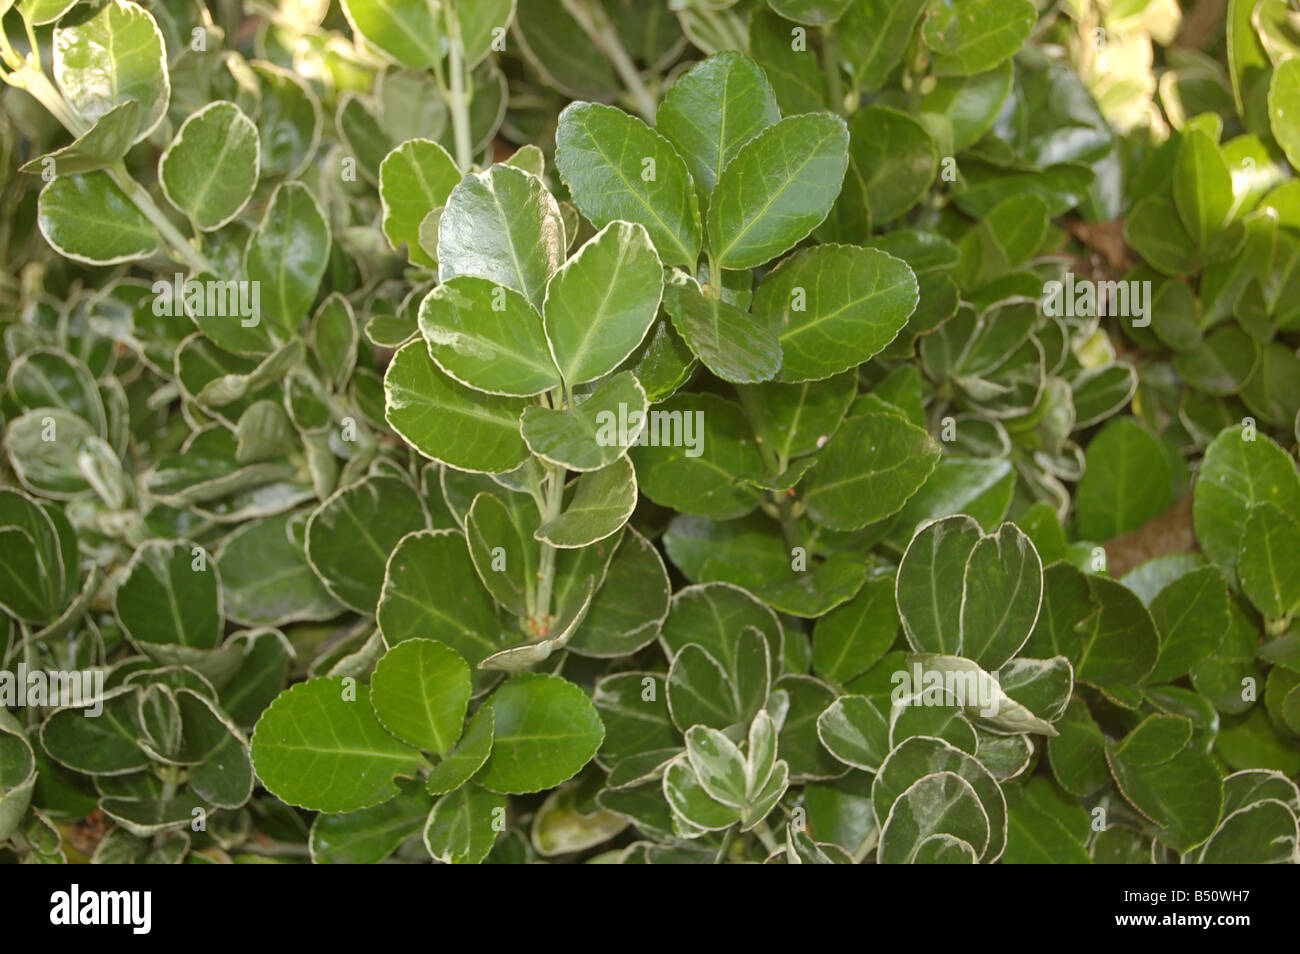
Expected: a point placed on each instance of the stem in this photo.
(457, 99)
(727, 839)
(32, 714)
(546, 563)
(25, 77)
(765, 836)
(602, 32)
(171, 235)
(831, 66)
(715, 275)
(776, 464)
(31, 41)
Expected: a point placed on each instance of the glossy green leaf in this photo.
(420, 690)
(834, 307)
(171, 596)
(287, 255)
(210, 169)
(109, 55)
(350, 537)
(319, 746)
(876, 462)
(408, 31)
(415, 180)
(713, 109)
(504, 226)
(733, 344)
(619, 271)
(777, 189)
(971, 36)
(617, 167)
(89, 218)
(546, 730)
(430, 591)
(448, 422)
(488, 337)
(600, 504)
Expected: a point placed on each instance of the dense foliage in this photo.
(808, 431)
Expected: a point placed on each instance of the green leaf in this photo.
(463, 825)
(1237, 474)
(350, 536)
(171, 596)
(1269, 562)
(851, 638)
(778, 188)
(874, 35)
(102, 145)
(634, 709)
(1191, 615)
(289, 124)
(448, 422)
(320, 747)
(407, 31)
(733, 344)
(1127, 481)
(210, 169)
(1120, 642)
(287, 255)
(504, 226)
(1043, 829)
(875, 463)
(714, 109)
(854, 731)
(793, 69)
(1155, 740)
(368, 835)
(619, 272)
(589, 436)
(109, 55)
(420, 690)
(617, 167)
(834, 307)
(938, 809)
(971, 36)
(1284, 108)
(631, 603)
(546, 30)
(918, 757)
(266, 580)
(546, 731)
(415, 179)
(1077, 754)
(496, 529)
(33, 581)
(600, 504)
(1202, 186)
(470, 754)
(696, 450)
(223, 775)
(1182, 795)
(1263, 832)
(488, 337)
(692, 804)
(431, 591)
(892, 163)
(104, 745)
(40, 12)
(89, 219)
